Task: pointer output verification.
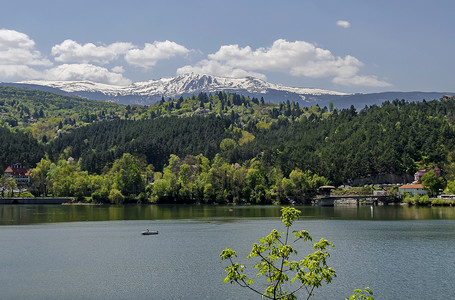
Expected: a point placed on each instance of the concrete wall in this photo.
(349, 201)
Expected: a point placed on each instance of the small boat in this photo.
(148, 232)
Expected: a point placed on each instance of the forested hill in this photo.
(343, 145)
(40, 104)
(395, 138)
(45, 114)
(100, 144)
(17, 147)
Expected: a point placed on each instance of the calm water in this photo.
(97, 252)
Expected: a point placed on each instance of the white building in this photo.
(412, 189)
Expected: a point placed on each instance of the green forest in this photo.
(216, 148)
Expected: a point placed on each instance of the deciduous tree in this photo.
(432, 183)
(275, 266)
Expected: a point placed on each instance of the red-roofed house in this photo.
(18, 173)
(420, 173)
(412, 189)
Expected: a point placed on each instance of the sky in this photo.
(341, 45)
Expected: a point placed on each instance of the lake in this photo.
(97, 252)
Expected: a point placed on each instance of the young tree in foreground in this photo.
(359, 294)
(275, 264)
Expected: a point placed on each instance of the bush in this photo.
(116, 197)
(424, 200)
(100, 196)
(142, 198)
(366, 190)
(442, 202)
(27, 194)
(406, 198)
(416, 199)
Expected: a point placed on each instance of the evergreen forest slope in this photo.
(343, 145)
(395, 138)
(18, 147)
(100, 144)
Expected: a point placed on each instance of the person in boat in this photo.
(148, 230)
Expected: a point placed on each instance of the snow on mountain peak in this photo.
(183, 84)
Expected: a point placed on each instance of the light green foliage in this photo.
(246, 137)
(173, 160)
(359, 294)
(7, 183)
(65, 179)
(10, 185)
(442, 202)
(283, 277)
(116, 197)
(263, 125)
(185, 173)
(227, 144)
(26, 194)
(416, 199)
(432, 183)
(301, 184)
(46, 114)
(196, 179)
(127, 176)
(451, 186)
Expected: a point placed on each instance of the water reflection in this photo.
(33, 214)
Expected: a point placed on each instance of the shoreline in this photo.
(436, 202)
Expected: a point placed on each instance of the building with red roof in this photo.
(19, 173)
(412, 189)
(420, 173)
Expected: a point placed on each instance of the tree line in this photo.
(192, 179)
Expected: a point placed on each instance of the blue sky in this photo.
(342, 45)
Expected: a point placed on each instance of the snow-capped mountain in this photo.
(152, 91)
(149, 92)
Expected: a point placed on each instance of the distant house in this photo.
(420, 173)
(19, 173)
(412, 189)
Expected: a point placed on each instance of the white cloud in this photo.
(118, 69)
(71, 51)
(18, 72)
(343, 23)
(368, 80)
(14, 39)
(20, 60)
(85, 72)
(216, 68)
(17, 48)
(297, 58)
(152, 53)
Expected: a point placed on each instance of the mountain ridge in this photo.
(152, 91)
